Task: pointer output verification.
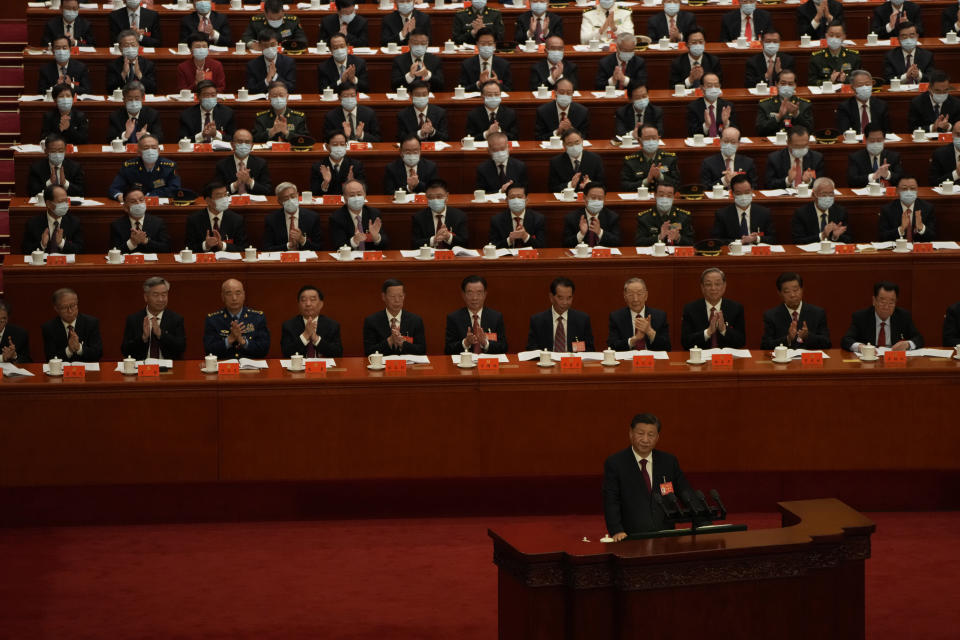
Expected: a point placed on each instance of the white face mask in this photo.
(242, 149)
(411, 159)
(270, 53)
(60, 209)
(564, 100)
(138, 210)
(56, 158)
(130, 53)
(517, 204)
(222, 204)
(500, 157)
(337, 152)
(150, 156)
(355, 203)
(743, 200)
(275, 24)
(594, 206)
(64, 105)
(339, 54)
(291, 205)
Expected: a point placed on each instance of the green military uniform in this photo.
(636, 167)
(296, 125)
(289, 30)
(823, 64)
(463, 31)
(767, 123)
(253, 326)
(650, 220)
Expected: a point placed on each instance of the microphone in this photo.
(703, 502)
(716, 498)
(664, 506)
(683, 511)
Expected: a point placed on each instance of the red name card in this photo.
(428, 146)
(152, 201)
(923, 247)
(206, 257)
(280, 146)
(488, 364)
(290, 256)
(331, 200)
(683, 252)
(132, 148)
(895, 357)
(643, 362)
(133, 258)
(372, 255)
(528, 254)
(148, 370)
(601, 252)
(239, 200)
(944, 137)
(228, 368)
(846, 249)
(760, 250)
(420, 198)
(316, 366)
(203, 147)
(443, 254)
(76, 371)
(722, 360)
(56, 260)
(570, 362)
(811, 359)
(396, 365)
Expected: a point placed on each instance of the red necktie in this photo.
(538, 31)
(864, 118)
(421, 120)
(646, 476)
(441, 244)
(713, 122)
(563, 115)
(796, 318)
(359, 228)
(591, 238)
(52, 244)
(797, 172)
(154, 351)
(138, 225)
(216, 223)
(560, 337)
(748, 29)
(476, 332)
(715, 338)
(909, 230)
(641, 345)
(311, 349)
(242, 187)
(882, 334)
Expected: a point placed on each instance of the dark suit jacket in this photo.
(577, 327)
(726, 223)
(173, 336)
(757, 68)
(533, 221)
(40, 173)
(776, 327)
(49, 76)
(357, 35)
(951, 327)
(921, 111)
(275, 231)
(863, 328)
(33, 233)
(553, 27)
(342, 229)
(118, 124)
(561, 170)
(191, 121)
(627, 119)
(257, 73)
(948, 19)
(540, 72)
(859, 167)
(21, 342)
(942, 164)
(423, 227)
(88, 330)
(621, 329)
(329, 346)
(712, 168)
(760, 22)
(392, 25)
(488, 178)
(158, 240)
(695, 119)
(470, 73)
(680, 68)
(376, 330)
(807, 11)
(848, 114)
(636, 71)
(259, 171)
(78, 133)
(548, 119)
(479, 121)
(395, 175)
(779, 163)
(233, 231)
(889, 221)
(334, 119)
(149, 21)
(609, 222)
(657, 25)
(337, 178)
(894, 63)
(881, 17)
(328, 76)
(82, 31)
(460, 320)
(408, 123)
(627, 505)
(695, 321)
(805, 225)
(116, 79)
(190, 24)
(401, 65)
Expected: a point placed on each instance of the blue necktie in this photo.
(875, 165)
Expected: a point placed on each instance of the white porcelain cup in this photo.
(827, 86)
(826, 246)
(741, 42)
(459, 92)
(243, 94)
(868, 351)
(250, 254)
(894, 83)
(780, 352)
(438, 4)
(48, 95)
(400, 196)
(951, 37)
(679, 90)
(850, 135)
(594, 45)
(345, 253)
(872, 38)
(611, 91)
(402, 93)
(466, 359)
(185, 144)
(762, 88)
(114, 256)
(37, 257)
(328, 93)
(555, 142)
(117, 94)
(804, 40)
(659, 249)
(489, 251)
(241, 47)
(568, 194)
(543, 92)
(698, 139)
(901, 244)
(530, 45)
(375, 359)
(129, 366)
(919, 135)
(736, 248)
(696, 354)
(876, 189)
(467, 143)
(210, 362)
(322, 47)
(957, 347)
(609, 356)
(719, 191)
(479, 195)
(449, 46)
(314, 4)
(627, 139)
(425, 252)
(117, 144)
(56, 366)
(183, 49)
(235, 4)
(947, 186)
(545, 358)
(186, 256)
(781, 137)
(803, 190)
(664, 43)
(392, 48)
(643, 192)
(306, 197)
(296, 362)
(583, 250)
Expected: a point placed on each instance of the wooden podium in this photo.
(800, 581)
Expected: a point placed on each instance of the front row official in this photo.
(309, 333)
(795, 324)
(884, 324)
(216, 227)
(637, 326)
(394, 330)
(631, 476)
(236, 331)
(71, 336)
(560, 329)
(136, 232)
(155, 331)
(475, 327)
(56, 230)
(14, 340)
(713, 321)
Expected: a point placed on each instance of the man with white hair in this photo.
(622, 68)
(821, 218)
(291, 228)
(605, 22)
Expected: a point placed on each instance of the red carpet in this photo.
(384, 579)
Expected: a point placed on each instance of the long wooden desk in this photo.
(805, 579)
(519, 289)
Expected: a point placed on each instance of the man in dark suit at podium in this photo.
(71, 336)
(162, 335)
(309, 333)
(631, 476)
(637, 326)
(795, 324)
(713, 322)
(560, 328)
(475, 327)
(394, 330)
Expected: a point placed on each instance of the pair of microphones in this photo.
(692, 506)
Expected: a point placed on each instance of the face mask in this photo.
(671, 8)
(712, 93)
(575, 150)
(222, 204)
(150, 156)
(291, 205)
(349, 103)
(130, 53)
(771, 48)
(594, 206)
(798, 152)
(270, 53)
(908, 44)
(956, 143)
(355, 203)
(748, 9)
(874, 148)
(696, 50)
(207, 104)
(606, 4)
(538, 8)
(337, 152)
(340, 54)
(64, 104)
(908, 197)
(134, 106)
(564, 100)
(418, 50)
(786, 91)
(640, 104)
(62, 56)
(554, 56)
(491, 102)
(500, 157)
(420, 102)
(200, 53)
(278, 103)
(863, 92)
(896, 3)
(69, 15)
(60, 209)
(743, 200)
(347, 18)
(625, 56)
(138, 210)
(824, 202)
(411, 159)
(133, 4)
(437, 204)
(664, 204)
(479, 5)
(486, 51)
(242, 149)
(728, 149)
(275, 24)
(203, 6)
(834, 43)
(517, 204)
(650, 146)
(939, 98)
(56, 158)
(405, 8)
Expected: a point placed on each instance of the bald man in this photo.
(236, 331)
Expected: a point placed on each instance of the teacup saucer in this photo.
(546, 366)
(205, 370)
(826, 253)
(250, 260)
(956, 357)
(873, 359)
(55, 375)
(292, 370)
(610, 364)
(901, 250)
(489, 257)
(132, 373)
(697, 363)
(422, 258)
(784, 361)
(464, 365)
(376, 367)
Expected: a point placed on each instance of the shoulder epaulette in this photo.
(292, 18)
(262, 113)
(258, 18)
(853, 51)
(298, 113)
(256, 311)
(631, 157)
(820, 52)
(667, 153)
(130, 163)
(645, 211)
(678, 209)
(802, 99)
(770, 99)
(214, 313)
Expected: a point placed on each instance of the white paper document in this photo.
(89, 366)
(247, 363)
(330, 362)
(502, 357)
(736, 353)
(411, 359)
(164, 363)
(11, 370)
(628, 355)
